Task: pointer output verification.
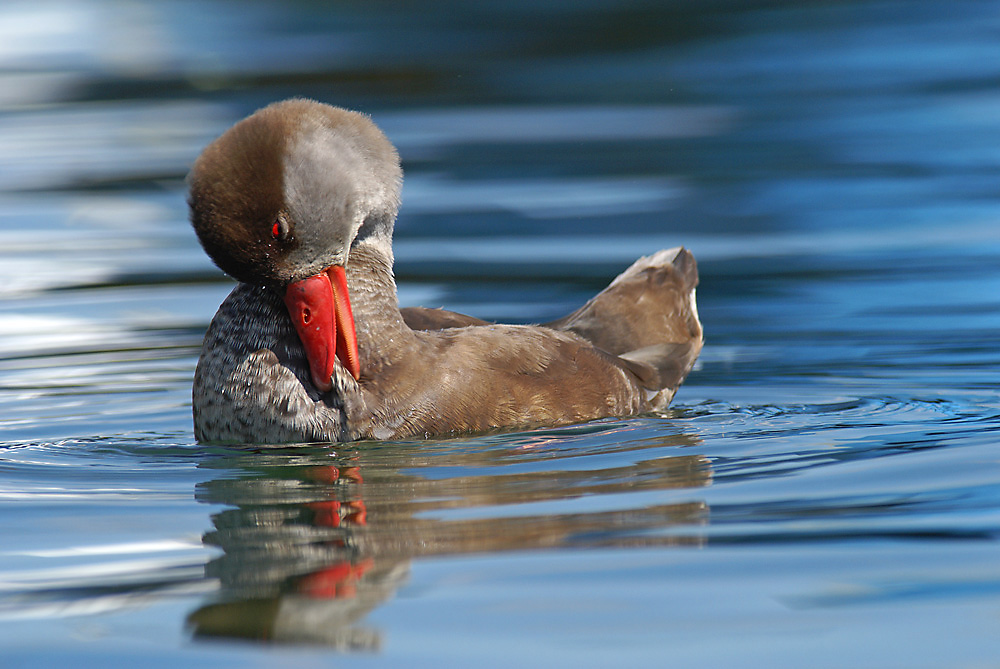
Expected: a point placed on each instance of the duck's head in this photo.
(279, 199)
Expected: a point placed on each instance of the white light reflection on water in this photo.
(621, 249)
(439, 128)
(556, 198)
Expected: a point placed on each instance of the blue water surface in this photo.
(824, 491)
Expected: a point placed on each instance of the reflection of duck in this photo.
(291, 571)
(312, 542)
(298, 203)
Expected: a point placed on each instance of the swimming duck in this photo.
(297, 202)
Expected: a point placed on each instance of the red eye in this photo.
(276, 230)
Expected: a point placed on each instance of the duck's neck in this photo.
(381, 332)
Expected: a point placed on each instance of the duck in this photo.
(297, 202)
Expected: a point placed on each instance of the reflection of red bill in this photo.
(331, 513)
(339, 580)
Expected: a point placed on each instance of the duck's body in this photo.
(415, 372)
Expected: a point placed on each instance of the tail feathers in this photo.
(647, 317)
(662, 368)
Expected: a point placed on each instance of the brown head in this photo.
(279, 199)
(282, 194)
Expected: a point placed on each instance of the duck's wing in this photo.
(647, 317)
(423, 318)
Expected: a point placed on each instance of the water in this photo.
(825, 491)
